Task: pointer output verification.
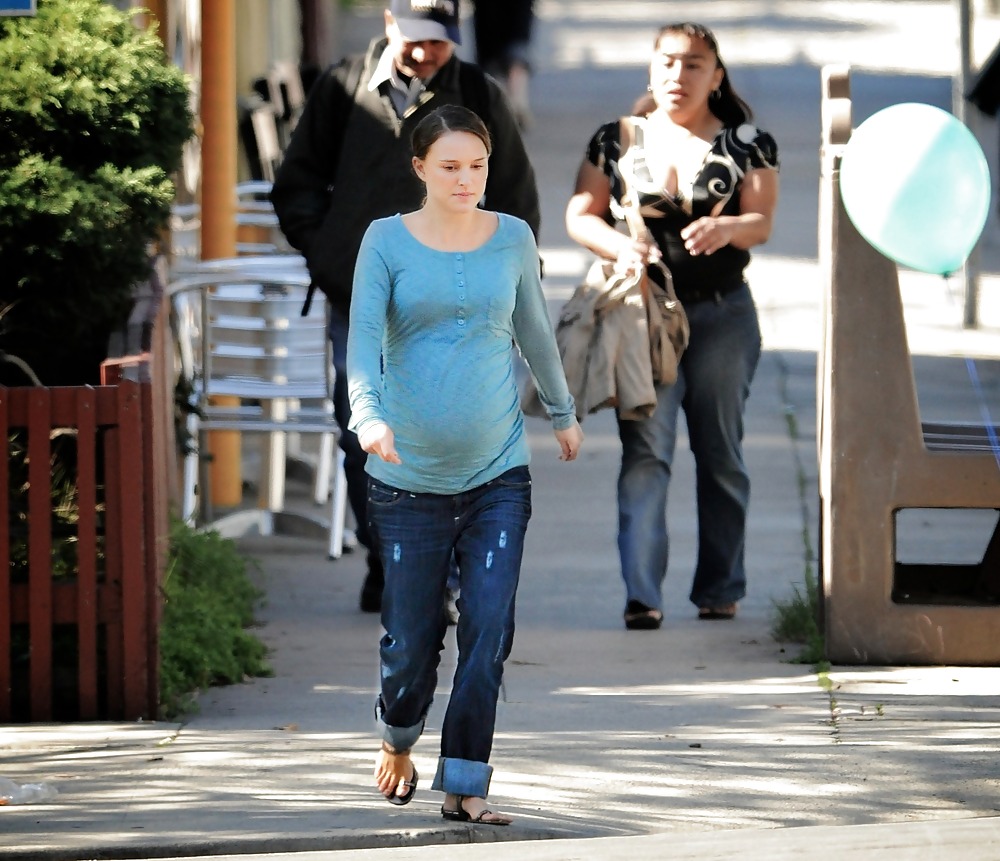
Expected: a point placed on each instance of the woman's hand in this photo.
(569, 440)
(707, 235)
(758, 198)
(380, 441)
(635, 254)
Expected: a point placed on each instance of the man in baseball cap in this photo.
(349, 162)
(427, 20)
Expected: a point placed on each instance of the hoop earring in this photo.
(649, 88)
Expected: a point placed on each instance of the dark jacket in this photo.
(336, 177)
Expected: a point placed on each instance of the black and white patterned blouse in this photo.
(734, 152)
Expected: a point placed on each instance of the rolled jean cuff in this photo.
(401, 738)
(462, 777)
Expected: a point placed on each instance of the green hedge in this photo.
(93, 122)
(209, 604)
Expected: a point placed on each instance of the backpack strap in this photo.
(342, 106)
(475, 91)
(352, 80)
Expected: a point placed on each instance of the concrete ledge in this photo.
(968, 839)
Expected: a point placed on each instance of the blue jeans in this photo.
(712, 387)
(417, 534)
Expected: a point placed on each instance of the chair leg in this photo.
(338, 508)
(189, 502)
(206, 510)
(324, 464)
(272, 494)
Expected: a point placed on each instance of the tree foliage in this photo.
(92, 122)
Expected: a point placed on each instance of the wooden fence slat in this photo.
(133, 583)
(156, 524)
(40, 554)
(112, 558)
(86, 577)
(64, 409)
(6, 650)
(64, 603)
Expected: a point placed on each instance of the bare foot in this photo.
(477, 809)
(394, 772)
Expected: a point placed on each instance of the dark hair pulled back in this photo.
(441, 121)
(727, 106)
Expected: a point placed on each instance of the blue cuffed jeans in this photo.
(712, 388)
(416, 535)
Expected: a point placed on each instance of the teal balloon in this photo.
(916, 185)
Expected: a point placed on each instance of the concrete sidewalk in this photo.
(701, 740)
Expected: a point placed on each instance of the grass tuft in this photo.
(794, 621)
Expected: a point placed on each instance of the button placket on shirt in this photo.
(460, 279)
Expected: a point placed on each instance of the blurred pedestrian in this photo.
(503, 40)
(348, 163)
(706, 179)
(440, 296)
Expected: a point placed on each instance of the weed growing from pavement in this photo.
(794, 621)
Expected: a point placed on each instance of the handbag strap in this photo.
(630, 206)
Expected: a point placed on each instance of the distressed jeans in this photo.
(712, 388)
(417, 534)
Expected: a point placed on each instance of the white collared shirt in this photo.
(402, 95)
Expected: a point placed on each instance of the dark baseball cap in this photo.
(427, 20)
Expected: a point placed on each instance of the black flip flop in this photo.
(639, 617)
(407, 797)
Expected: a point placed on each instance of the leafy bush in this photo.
(93, 122)
(209, 602)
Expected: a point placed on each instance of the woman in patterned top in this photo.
(706, 180)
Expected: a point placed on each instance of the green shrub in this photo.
(209, 602)
(93, 123)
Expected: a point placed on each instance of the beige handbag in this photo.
(584, 322)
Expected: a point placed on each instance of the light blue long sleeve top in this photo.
(429, 352)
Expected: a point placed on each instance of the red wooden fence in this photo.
(106, 608)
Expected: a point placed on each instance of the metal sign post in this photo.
(17, 7)
(969, 273)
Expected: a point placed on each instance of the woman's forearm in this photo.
(595, 234)
(749, 229)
